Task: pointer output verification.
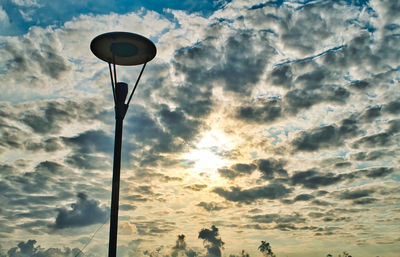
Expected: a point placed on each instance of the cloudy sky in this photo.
(274, 121)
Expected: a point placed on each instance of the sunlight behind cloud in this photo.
(208, 154)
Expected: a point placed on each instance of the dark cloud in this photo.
(355, 194)
(270, 168)
(278, 218)
(178, 124)
(51, 168)
(82, 213)
(52, 116)
(366, 200)
(154, 227)
(378, 140)
(372, 155)
(47, 176)
(91, 141)
(212, 241)
(141, 194)
(314, 79)
(326, 136)
(146, 131)
(281, 76)
(211, 206)
(11, 137)
(127, 207)
(321, 203)
(387, 138)
(360, 85)
(236, 170)
(27, 56)
(194, 101)
(303, 197)
(6, 169)
(313, 179)
(196, 187)
(265, 112)
(285, 227)
(236, 194)
(88, 161)
(393, 107)
(372, 113)
(28, 248)
(86, 146)
(49, 145)
(244, 60)
(377, 172)
(309, 16)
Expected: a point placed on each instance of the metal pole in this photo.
(121, 91)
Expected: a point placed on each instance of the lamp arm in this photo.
(112, 83)
(136, 84)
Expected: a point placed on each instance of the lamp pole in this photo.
(122, 48)
(121, 91)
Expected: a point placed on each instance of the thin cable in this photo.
(112, 81)
(81, 251)
(137, 82)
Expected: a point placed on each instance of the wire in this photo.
(90, 240)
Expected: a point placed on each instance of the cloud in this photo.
(196, 187)
(86, 147)
(326, 136)
(372, 155)
(355, 194)
(303, 197)
(51, 116)
(243, 61)
(27, 58)
(388, 138)
(211, 206)
(28, 248)
(177, 124)
(83, 213)
(377, 172)
(212, 241)
(154, 227)
(270, 168)
(313, 179)
(237, 170)
(45, 177)
(236, 194)
(264, 112)
(91, 141)
(277, 218)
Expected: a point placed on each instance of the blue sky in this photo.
(273, 121)
(24, 14)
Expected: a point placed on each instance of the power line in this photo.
(81, 251)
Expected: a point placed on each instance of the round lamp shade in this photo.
(123, 48)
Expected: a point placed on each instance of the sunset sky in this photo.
(271, 121)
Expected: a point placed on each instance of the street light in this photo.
(120, 48)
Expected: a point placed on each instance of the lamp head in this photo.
(123, 48)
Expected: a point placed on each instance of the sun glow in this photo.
(208, 154)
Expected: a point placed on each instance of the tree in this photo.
(265, 248)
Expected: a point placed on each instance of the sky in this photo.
(274, 121)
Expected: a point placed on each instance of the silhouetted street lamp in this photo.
(120, 48)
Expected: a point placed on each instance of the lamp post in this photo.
(120, 48)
